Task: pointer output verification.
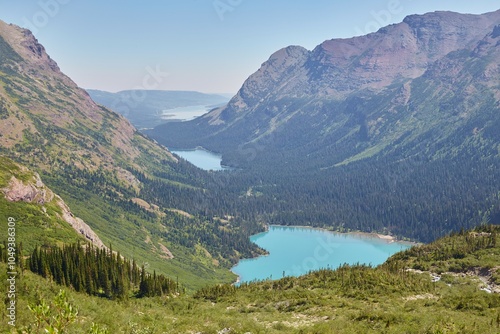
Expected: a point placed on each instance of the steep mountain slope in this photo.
(106, 171)
(391, 131)
(144, 108)
(42, 108)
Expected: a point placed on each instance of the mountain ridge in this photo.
(294, 80)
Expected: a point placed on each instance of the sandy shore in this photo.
(389, 238)
(385, 237)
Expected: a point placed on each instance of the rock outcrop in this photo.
(32, 192)
(78, 224)
(35, 191)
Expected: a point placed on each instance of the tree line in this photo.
(99, 272)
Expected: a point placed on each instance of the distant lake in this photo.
(202, 158)
(295, 251)
(184, 113)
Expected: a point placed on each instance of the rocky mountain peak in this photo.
(275, 69)
(38, 53)
(275, 73)
(338, 67)
(24, 43)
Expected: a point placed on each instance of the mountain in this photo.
(320, 90)
(144, 108)
(133, 193)
(59, 150)
(352, 132)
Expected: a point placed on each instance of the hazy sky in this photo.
(203, 45)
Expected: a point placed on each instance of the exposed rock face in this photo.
(35, 191)
(78, 224)
(338, 67)
(167, 254)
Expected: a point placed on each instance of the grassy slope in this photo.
(349, 300)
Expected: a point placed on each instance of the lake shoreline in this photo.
(386, 239)
(201, 158)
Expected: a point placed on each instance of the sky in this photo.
(210, 46)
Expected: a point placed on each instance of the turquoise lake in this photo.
(202, 158)
(294, 251)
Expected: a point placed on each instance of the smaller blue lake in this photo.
(202, 158)
(294, 251)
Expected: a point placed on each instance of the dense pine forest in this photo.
(417, 198)
(99, 272)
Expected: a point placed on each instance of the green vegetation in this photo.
(7, 54)
(34, 227)
(474, 251)
(351, 299)
(196, 250)
(52, 318)
(36, 224)
(98, 272)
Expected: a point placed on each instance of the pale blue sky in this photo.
(203, 45)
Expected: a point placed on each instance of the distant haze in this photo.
(147, 109)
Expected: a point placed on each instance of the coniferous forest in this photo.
(94, 271)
